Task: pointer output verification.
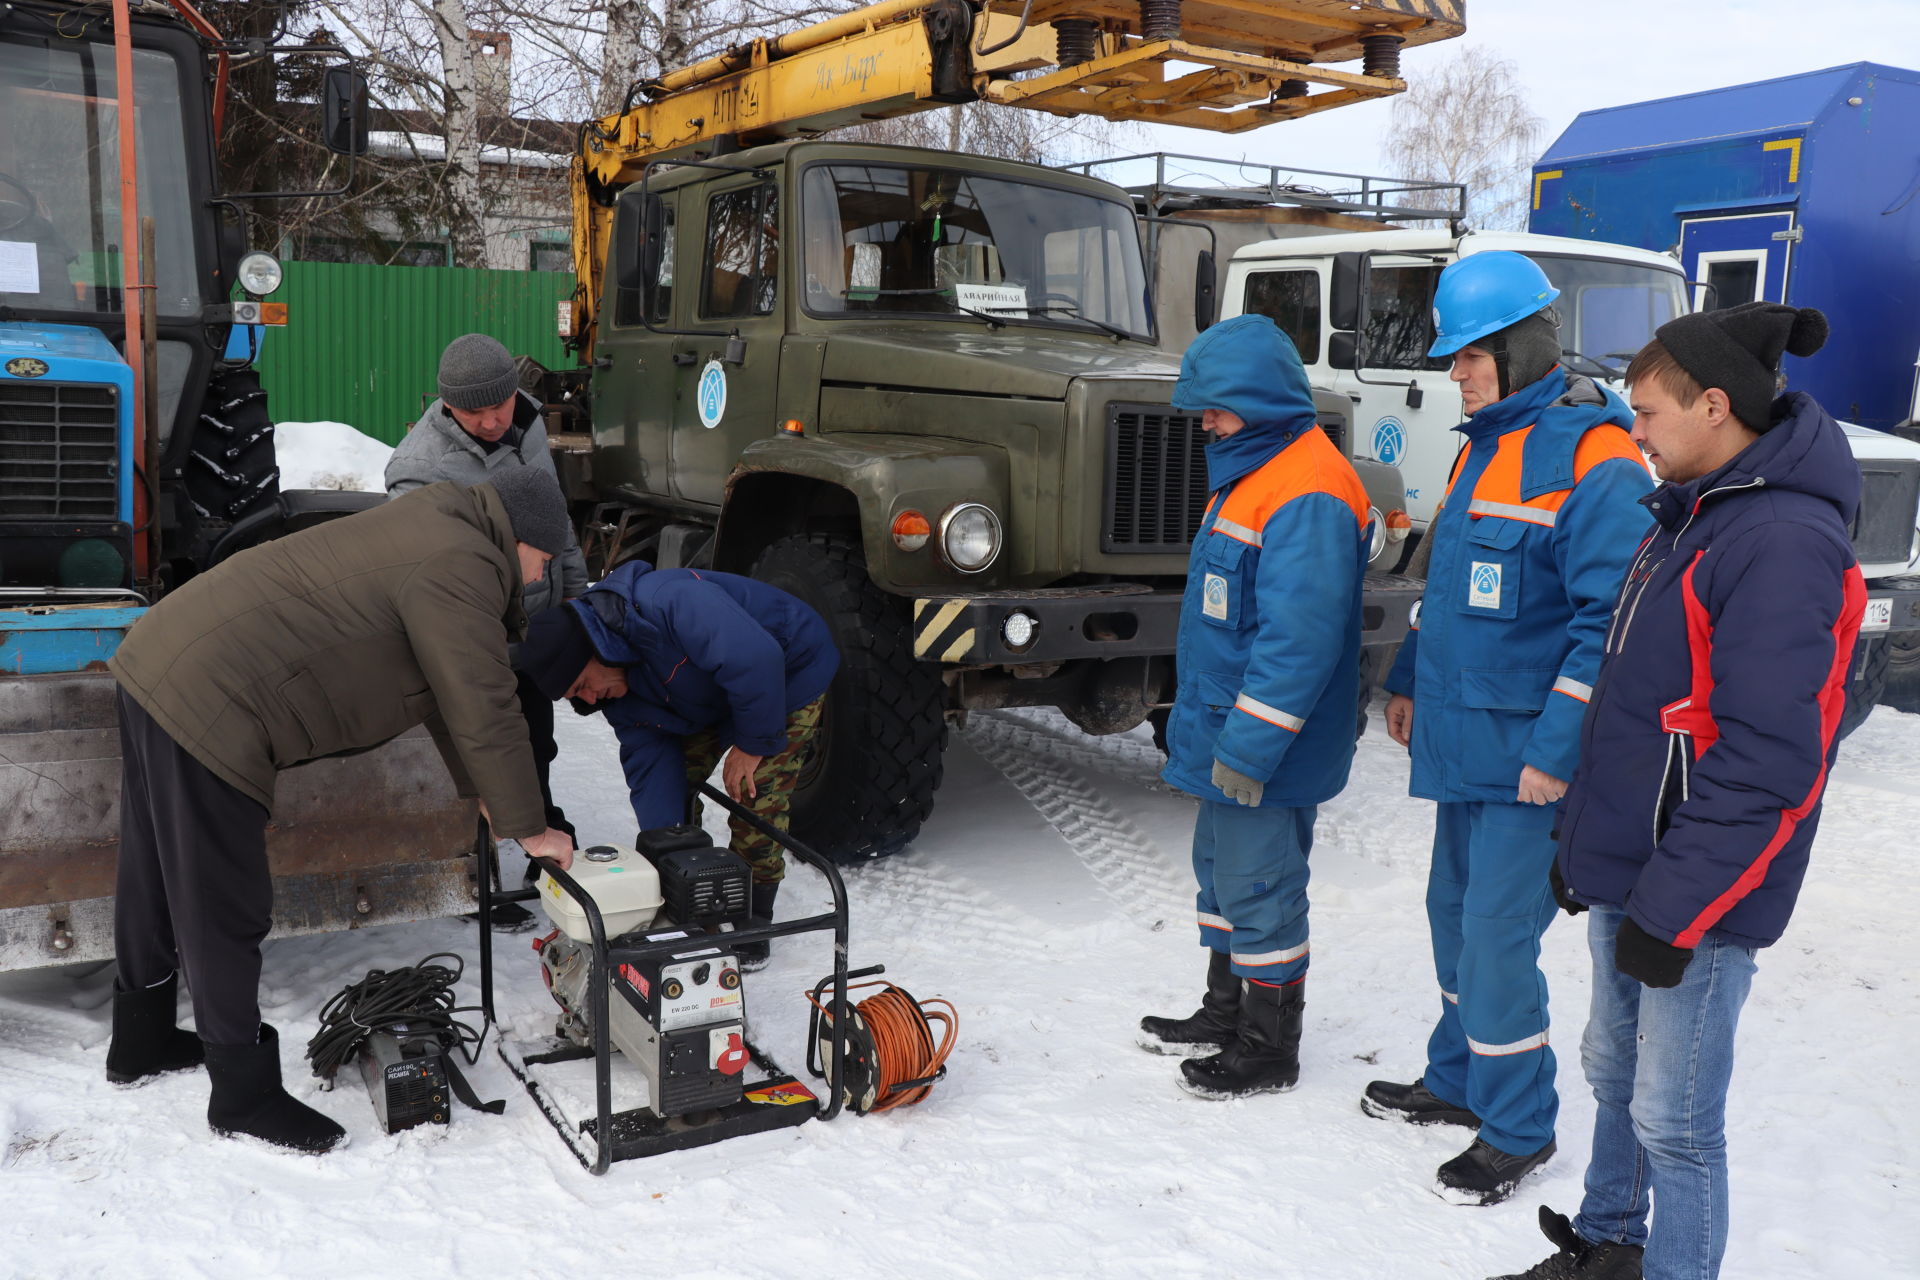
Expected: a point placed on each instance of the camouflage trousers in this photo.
(773, 780)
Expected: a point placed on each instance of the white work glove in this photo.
(1238, 786)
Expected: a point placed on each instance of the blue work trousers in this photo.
(1488, 903)
(1659, 1060)
(1251, 864)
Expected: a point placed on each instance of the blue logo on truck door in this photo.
(1389, 441)
(711, 394)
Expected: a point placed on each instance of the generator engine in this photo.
(679, 1017)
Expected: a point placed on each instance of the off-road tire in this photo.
(1865, 693)
(878, 763)
(1902, 691)
(231, 468)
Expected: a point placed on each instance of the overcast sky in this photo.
(1577, 56)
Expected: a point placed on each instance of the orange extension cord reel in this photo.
(893, 1058)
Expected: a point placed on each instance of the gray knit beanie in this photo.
(535, 508)
(476, 372)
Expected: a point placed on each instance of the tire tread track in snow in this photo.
(1049, 733)
(1129, 867)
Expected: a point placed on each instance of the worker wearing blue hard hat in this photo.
(1529, 547)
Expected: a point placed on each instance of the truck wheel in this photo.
(1865, 692)
(877, 761)
(1903, 671)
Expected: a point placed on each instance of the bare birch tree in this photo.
(1466, 119)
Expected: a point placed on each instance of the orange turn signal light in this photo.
(911, 531)
(273, 313)
(1399, 525)
(793, 427)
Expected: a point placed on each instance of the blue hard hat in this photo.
(1484, 293)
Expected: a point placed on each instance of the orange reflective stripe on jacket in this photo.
(1310, 464)
(1497, 492)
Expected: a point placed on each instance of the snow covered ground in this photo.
(1048, 899)
(329, 455)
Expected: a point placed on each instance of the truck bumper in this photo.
(1893, 604)
(1113, 620)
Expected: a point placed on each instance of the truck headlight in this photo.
(1376, 534)
(260, 273)
(969, 537)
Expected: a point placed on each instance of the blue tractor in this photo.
(136, 450)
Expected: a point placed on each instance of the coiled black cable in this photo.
(419, 998)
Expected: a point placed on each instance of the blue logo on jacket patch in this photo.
(1213, 596)
(1483, 586)
(1389, 441)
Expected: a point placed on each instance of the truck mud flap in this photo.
(373, 838)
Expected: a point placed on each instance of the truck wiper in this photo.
(1073, 313)
(1595, 368)
(868, 294)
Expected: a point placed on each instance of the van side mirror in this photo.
(343, 111)
(1343, 350)
(1346, 292)
(1205, 304)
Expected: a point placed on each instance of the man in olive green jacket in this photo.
(326, 642)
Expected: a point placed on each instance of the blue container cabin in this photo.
(1804, 190)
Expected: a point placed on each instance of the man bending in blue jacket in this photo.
(1529, 546)
(686, 663)
(1262, 724)
(1715, 719)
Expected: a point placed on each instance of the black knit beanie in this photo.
(535, 507)
(1738, 350)
(555, 651)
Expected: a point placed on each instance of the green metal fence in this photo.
(362, 344)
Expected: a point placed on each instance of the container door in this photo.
(1744, 257)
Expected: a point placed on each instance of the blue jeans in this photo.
(1252, 867)
(1658, 1062)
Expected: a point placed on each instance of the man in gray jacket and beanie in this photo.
(482, 425)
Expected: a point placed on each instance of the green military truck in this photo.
(922, 392)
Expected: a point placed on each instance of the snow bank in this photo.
(330, 455)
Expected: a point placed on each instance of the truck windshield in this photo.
(60, 178)
(1609, 309)
(895, 240)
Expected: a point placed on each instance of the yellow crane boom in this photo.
(1224, 65)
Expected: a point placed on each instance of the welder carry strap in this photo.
(464, 1091)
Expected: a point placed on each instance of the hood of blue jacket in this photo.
(1247, 366)
(1805, 452)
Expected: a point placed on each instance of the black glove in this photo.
(1566, 904)
(1646, 959)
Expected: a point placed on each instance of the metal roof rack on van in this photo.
(1180, 182)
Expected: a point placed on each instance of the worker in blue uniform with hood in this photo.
(1262, 724)
(1539, 522)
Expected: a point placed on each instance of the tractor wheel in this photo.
(1903, 671)
(877, 761)
(231, 469)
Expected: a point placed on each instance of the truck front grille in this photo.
(59, 451)
(1156, 479)
(1889, 495)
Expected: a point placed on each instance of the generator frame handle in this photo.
(604, 957)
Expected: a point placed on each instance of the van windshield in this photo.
(903, 240)
(1609, 309)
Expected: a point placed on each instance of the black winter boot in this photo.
(755, 955)
(1212, 1025)
(1413, 1104)
(145, 1040)
(1580, 1258)
(1486, 1175)
(249, 1101)
(1265, 1054)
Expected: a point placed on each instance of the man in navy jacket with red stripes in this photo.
(1713, 724)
